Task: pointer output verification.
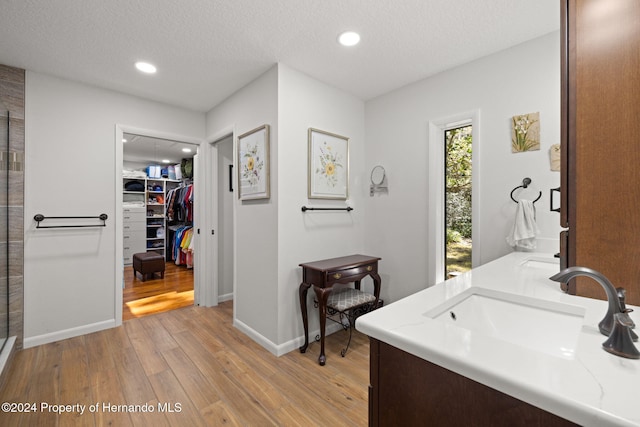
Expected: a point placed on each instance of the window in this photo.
(458, 212)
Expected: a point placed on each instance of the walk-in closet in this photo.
(158, 205)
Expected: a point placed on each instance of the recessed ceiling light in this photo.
(145, 67)
(166, 161)
(186, 150)
(349, 38)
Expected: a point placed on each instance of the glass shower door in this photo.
(4, 225)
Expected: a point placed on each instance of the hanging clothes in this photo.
(182, 249)
(186, 247)
(179, 213)
(179, 207)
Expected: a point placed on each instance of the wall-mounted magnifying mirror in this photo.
(377, 175)
(378, 180)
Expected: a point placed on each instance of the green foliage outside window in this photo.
(458, 200)
(458, 182)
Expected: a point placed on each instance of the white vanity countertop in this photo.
(587, 385)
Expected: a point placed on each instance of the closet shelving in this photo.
(132, 195)
(134, 218)
(146, 204)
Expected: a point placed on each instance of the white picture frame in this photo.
(328, 169)
(253, 162)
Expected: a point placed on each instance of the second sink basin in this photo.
(540, 325)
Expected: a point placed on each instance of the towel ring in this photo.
(525, 184)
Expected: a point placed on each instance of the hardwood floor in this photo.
(195, 362)
(156, 295)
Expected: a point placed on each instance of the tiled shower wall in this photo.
(12, 83)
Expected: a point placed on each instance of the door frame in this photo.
(120, 130)
(212, 289)
(436, 242)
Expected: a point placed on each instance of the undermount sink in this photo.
(541, 262)
(545, 326)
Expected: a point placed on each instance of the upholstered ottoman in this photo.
(148, 263)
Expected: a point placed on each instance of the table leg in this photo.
(302, 291)
(322, 294)
(376, 288)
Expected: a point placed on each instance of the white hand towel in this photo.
(524, 231)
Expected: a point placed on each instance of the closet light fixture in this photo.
(166, 161)
(186, 150)
(124, 140)
(145, 67)
(349, 38)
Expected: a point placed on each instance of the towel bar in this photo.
(348, 209)
(39, 218)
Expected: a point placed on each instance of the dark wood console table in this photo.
(326, 273)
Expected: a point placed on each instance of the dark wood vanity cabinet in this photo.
(406, 390)
(600, 129)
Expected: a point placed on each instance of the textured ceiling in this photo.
(207, 49)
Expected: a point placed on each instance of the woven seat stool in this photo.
(148, 263)
(349, 303)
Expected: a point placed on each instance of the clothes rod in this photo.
(348, 209)
(39, 218)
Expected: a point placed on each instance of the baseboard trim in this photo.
(225, 297)
(280, 349)
(68, 333)
(296, 343)
(254, 335)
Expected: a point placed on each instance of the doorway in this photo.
(222, 208)
(158, 207)
(437, 204)
(458, 201)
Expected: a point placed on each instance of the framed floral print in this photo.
(253, 162)
(328, 165)
(525, 132)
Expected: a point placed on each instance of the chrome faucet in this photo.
(616, 324)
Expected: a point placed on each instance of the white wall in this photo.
(255, 222)
(519, 80)
(69, 281)
(225, 219)
(71, 154)
(303, 237)
(273, 236)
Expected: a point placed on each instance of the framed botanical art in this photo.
(525, 132)
(328, 165)
(253, 162)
